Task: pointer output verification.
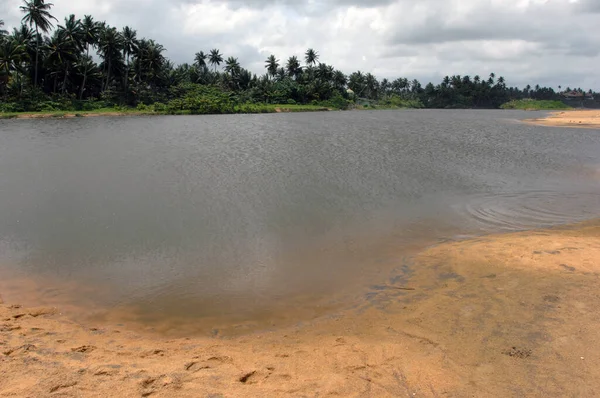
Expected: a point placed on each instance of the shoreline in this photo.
(500, 315)
(274, 108)
(584, 118)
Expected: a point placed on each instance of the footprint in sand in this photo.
(84, 348)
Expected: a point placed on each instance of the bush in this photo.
(291, 101)
(337, 102)
(530, 104)
(159, 107)
(397, 101)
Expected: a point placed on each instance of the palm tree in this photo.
(293, 67)
(11, 53)
(232, 66)
(110, 45)
(73, 32)
(281, 74)
(153, 61)
(90, 30)
(37, 13)
(339, 79)
(88, 68)
(272, 64)
(356, 83)
(311, 57)
(215, 58)
(60, 54)
(129, 46)
(372, 86)
(2, 31)
(200, 60)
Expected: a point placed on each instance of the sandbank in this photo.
(508, 315)
(574, 118)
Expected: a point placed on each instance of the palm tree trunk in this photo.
(87, 53)
(37, 51)
(83, 85)
(126, 76)
(64, 85)
(107, 74)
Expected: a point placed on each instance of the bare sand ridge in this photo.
(577, 118)
(500, 316)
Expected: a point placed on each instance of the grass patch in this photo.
(535, 105)
(162, 110)
(274, 108)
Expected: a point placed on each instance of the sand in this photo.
(576, 118)
(505, 315)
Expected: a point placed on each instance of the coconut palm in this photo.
(110, 44)
(215, 58)
(293, 67)
(339, 80)
(272, 64)
(356, 82)
(37, 13)
(86, 67)
(61, 54)
(232, 66)
(129, 46)
(73, 32)
(311, 57)
(153, 61)
(2, 31)
(200, 60)
(324, 72)
(11, 53)
(281, 74)
(91, 31)
(372, 86)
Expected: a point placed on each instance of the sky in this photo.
(546, 42)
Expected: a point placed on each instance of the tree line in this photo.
(46, 60)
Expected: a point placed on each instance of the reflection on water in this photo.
(234, 216)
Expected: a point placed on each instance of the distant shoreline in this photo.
(573, 118)
(263, 108)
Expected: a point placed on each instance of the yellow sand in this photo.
(501, 316)
(577, 118)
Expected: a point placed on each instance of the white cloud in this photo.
(527, 41)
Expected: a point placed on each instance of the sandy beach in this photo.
(574, 118)
(504, 315)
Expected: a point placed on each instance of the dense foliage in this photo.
(48, 68)
(527, 104)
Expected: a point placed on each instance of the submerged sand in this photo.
(506, 315)
(576, 118)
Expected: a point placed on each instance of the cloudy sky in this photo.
(550, 42)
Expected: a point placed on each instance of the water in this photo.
(231, 216)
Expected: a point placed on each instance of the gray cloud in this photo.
(592, 6)
(527, 41)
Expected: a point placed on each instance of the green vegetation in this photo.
(49, 69)
(535, 105)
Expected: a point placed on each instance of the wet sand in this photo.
(505, 315)
(576, 118)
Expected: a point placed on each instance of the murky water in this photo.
(229, 216)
